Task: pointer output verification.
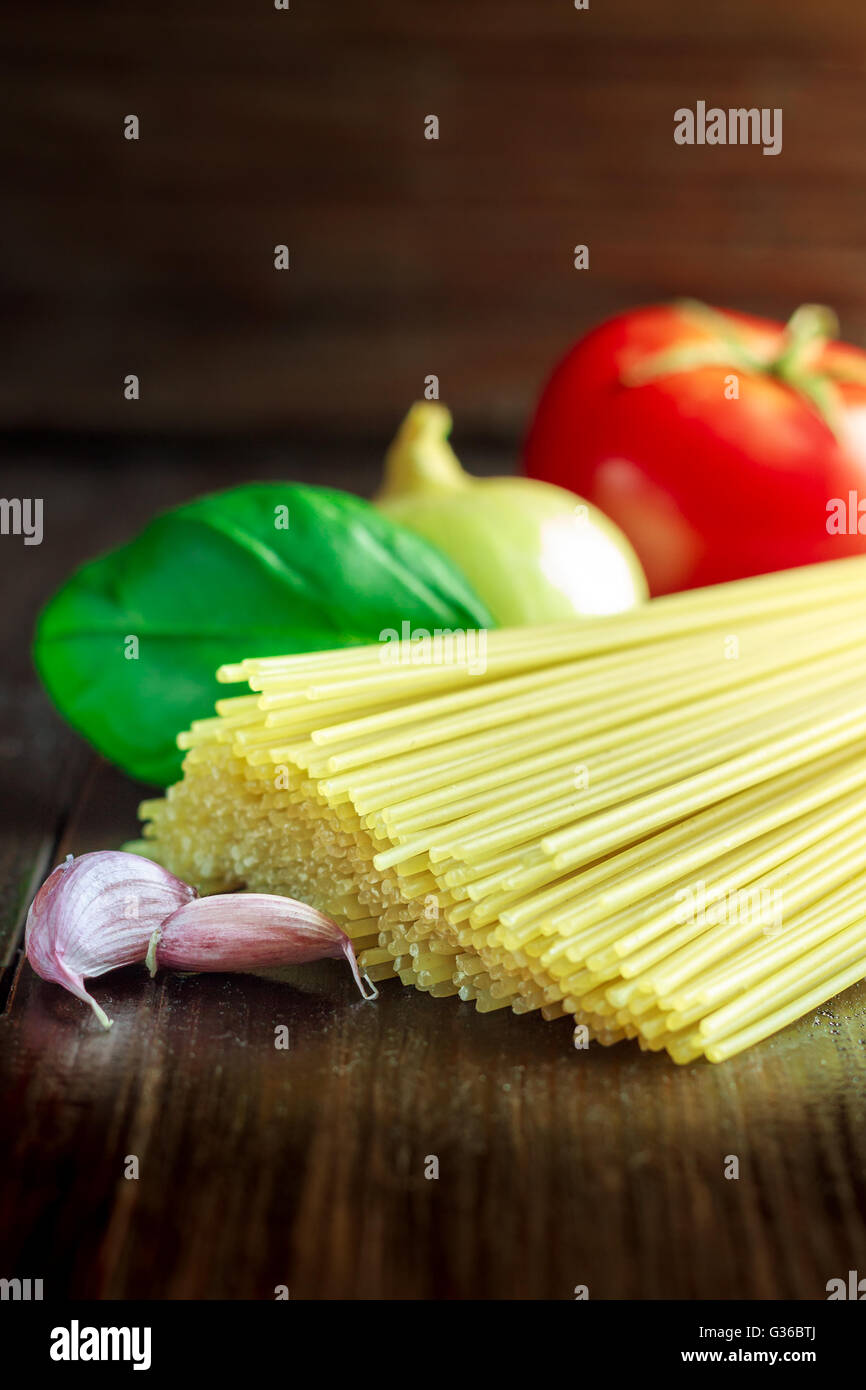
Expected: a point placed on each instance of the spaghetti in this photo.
(650, 822)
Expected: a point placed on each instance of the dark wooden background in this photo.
(306, 1167)
(409, 256)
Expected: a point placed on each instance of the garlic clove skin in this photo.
(248, 931)
(96, 913)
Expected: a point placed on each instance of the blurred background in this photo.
(408, 256)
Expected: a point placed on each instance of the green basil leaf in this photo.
(216, 580)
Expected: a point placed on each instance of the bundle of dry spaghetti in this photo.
(652, 822)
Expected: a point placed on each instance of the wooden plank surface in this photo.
(305, 1167)
(409, 256)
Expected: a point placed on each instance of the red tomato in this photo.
(722, 445)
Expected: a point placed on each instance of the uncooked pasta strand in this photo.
(523, 830)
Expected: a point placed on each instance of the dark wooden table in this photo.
(408, 256)
(305, 1167)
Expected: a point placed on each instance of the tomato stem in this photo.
(804, 339)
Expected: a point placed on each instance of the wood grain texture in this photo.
(408, 256)
(305, 1167)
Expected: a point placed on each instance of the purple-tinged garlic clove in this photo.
(248, 931)
(98, 912)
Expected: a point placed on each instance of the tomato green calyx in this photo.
(807, 332)
(804, 338)
(420, 460)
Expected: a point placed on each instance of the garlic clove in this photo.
(248, 931)
(95, 913)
